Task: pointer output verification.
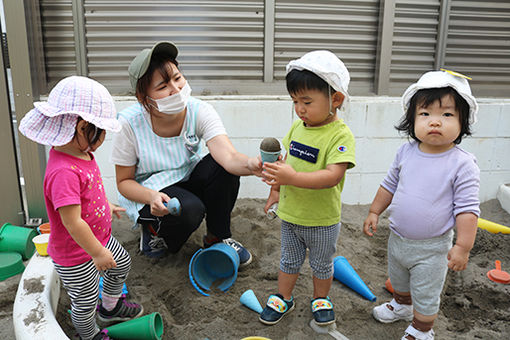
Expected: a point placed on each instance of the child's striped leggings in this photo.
(82, 285)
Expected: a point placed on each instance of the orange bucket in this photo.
(44, 228)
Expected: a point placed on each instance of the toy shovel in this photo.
(498, 275)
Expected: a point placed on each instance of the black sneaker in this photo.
(103, 335)
(123, 311)
(322, 310)
(244, 255)
(151, 244)
(276, 308)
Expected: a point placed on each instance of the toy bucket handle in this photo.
(191, 274)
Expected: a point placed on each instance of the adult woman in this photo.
(157, 157)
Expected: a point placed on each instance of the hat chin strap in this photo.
(331, 113)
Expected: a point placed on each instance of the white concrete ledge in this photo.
(504, 196)
(36, 302)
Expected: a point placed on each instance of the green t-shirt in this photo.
(310, 149)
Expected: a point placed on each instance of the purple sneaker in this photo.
(123, 311)
(103, 335)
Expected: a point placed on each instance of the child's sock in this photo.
(109, 302)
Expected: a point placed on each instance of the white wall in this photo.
(249, 119)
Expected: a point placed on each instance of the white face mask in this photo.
(174, 103)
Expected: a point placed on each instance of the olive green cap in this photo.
(140, 64)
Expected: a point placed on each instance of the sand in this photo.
(472, 307)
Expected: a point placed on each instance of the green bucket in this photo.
(17, 239)
(10, 264)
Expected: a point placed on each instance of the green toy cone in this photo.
(147, 327)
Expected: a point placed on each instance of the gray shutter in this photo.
(414, 42)
(220, 42)
(347, 28)
(57, 27)
(478, 44)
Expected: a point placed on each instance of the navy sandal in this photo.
(275, 309)
(323, 313)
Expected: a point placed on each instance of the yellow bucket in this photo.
(41, 244)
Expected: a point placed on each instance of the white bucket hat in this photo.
(444, 78)
(54, 122)
(327, 66)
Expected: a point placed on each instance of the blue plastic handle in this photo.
(173, 206)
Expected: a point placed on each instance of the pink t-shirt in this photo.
(69, 181)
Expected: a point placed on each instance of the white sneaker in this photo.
(418, 335)
(393, 311)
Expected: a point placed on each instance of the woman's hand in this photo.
(104, 260)
(255, 166)
(156, 203)
(115, 209)
(278, 173)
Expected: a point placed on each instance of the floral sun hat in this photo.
(54, 122)
(327, 66)
(444, 78)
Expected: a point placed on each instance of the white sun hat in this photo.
(327, 66)
(54, 122)
(444, 78)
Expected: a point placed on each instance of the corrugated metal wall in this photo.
(221, 42)
(57, 27)
(478, 44)
(414, 42)
(347, 28)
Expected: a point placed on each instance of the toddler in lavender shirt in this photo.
(431, 187)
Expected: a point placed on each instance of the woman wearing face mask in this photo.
(157, 157)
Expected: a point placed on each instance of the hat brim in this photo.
(53, 131)
(473, 105)
(109, 124)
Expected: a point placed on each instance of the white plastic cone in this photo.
(250, 300)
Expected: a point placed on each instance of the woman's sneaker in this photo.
(393, 311)
(418, 335)
(276, 308)
(151, 244)
(123, 311)
(244, 255)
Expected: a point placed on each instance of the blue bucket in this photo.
(217, 264)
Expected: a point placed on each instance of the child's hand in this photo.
(278, 173)
(157, 206)
(104, 260)
(370, 224)
(458, 258)
(274, 197)
(116, 210)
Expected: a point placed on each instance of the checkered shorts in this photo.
(320, 240)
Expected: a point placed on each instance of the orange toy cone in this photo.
(388, 286)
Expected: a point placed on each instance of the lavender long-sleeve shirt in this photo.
(429, 190)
